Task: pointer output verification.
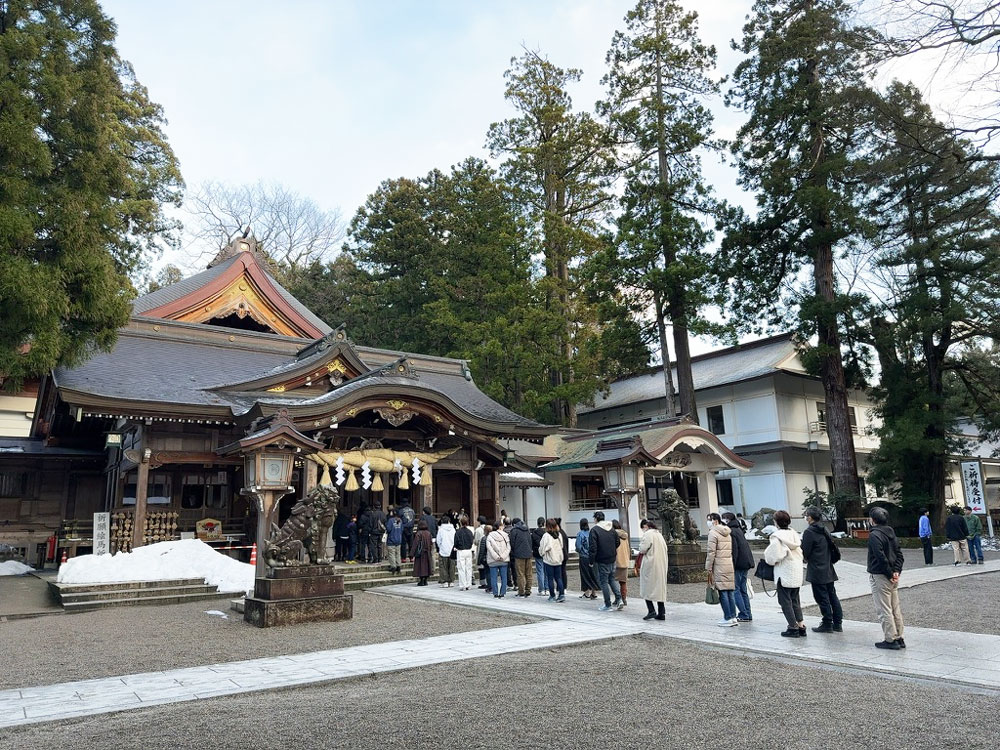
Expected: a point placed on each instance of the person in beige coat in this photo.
(719, 564)
(623, 560)
(652, 562)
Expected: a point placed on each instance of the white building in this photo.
(760, 403)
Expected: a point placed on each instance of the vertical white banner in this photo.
(102, 533)
(972, 483)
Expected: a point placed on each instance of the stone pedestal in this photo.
(686, 563)
(306, 593)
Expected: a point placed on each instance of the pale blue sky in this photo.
(331, 98)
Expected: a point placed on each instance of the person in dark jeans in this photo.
(409, 518)
(924, 530)
(743, 563)
(376, 528)
(364, 532)
(603, 553)
(818, 550)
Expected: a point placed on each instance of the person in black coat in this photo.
(818, 551)
(743, 563)
(957, 531)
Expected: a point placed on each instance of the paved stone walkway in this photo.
(959, 658)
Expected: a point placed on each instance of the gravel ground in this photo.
(652, 693)
(48, 650)
(966, 604)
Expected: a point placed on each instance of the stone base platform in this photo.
(306, 593)
(686, 563)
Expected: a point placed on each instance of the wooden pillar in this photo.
(474, 495)
(139, 520)
(496, 493)
(311, 476)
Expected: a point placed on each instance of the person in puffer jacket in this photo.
(719, 564)
(784, 552)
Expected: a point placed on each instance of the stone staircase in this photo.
(85, 597)
(365, 576)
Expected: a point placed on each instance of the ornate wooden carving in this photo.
(396, 418)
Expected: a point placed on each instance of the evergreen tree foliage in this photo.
(802, 87)
(558, 164)
(658, 82)
(442, 265)
(936, 238)
(84, 172)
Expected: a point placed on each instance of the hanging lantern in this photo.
(377, 485)
(352, 482)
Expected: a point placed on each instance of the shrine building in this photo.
(206, 361)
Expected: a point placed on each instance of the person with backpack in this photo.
(409, 519)
(821, 554)
(393, 541)
(743, 563)
(588, 578)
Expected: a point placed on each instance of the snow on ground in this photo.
(187, 558)
(14, 568)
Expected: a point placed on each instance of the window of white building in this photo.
(716, 421)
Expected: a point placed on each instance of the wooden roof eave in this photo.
(720, 448)
(117, 406)
(307, 366)
(361, 398)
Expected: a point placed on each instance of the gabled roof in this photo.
(731, 365)
(239, 284)
(654, 438)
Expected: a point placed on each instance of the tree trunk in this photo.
(685, 379)
(670, 405)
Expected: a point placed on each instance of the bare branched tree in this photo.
(293, 230)
(964, 36)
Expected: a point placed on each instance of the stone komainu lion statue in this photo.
(305, 530)
(674, 519)
(763, 517)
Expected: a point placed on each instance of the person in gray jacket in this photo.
(819, 552)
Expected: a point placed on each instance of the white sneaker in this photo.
(725, 623)
(733, 623)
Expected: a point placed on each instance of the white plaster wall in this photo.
(15, 419)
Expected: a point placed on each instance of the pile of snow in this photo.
(187, 558)
(14, 568)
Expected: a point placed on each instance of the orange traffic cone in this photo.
(63, 557)
(253, 554)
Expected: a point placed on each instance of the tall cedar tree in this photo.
(802, 87)
(557, 163)
(937, 248)
(658, 81)
(441, 265)
(84, 172)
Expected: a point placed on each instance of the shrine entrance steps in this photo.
(368, 575)
(84, 597)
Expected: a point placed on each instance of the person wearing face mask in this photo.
(719, 564)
